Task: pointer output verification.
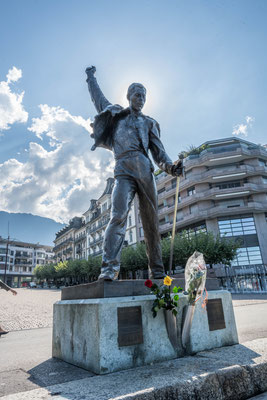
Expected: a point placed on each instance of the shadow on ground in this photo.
(50, 372)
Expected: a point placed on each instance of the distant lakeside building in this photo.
(223, 190)
(18, 260)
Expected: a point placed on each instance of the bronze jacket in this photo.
(105, 123)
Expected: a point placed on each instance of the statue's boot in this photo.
(109, 273)
(157, 275)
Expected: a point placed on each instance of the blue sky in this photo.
(202, 62)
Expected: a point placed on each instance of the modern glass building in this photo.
(224, 190)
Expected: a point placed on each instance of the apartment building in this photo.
(18, 260)
(65, 239)
(84, 235)
(224, 190)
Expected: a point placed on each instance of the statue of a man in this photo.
(130, 135)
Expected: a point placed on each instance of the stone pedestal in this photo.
(86, 334)
(111, 334)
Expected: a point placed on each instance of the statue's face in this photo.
(137, 99)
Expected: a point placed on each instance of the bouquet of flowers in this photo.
(195, 278)
(164, 298)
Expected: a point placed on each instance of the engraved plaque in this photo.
(215, 314)
(130, 329)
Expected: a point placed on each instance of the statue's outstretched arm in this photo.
(97, 96)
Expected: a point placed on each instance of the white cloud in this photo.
(242, 129)
(60, 181)
(11, 107)
(14, 74)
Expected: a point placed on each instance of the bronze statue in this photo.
(130, 135)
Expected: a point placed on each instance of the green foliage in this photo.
(133, 258)
(193, 150)
(158, 172)
(45, 271)
(215, 249)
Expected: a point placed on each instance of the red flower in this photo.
(148, 283)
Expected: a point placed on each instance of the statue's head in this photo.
(136, 96)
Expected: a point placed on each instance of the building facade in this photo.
(64, 248)
(224, 190)
(18, 260)
(84, 236)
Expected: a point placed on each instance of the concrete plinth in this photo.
(86, 334)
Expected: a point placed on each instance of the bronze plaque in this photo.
(130, 329)
(215, 314)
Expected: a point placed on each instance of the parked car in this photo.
(32, 285)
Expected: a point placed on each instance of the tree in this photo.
(215, 249)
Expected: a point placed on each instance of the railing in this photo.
(80, 238)
(58, 246)
(100, 225)
(96, 240)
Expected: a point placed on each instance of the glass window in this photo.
(227, 185)
(248, 256)
(191, 191)
(161, 190)
(237, 227)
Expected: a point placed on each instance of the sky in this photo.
(203, 63)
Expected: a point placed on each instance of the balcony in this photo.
(96, 240)
(80, 238)
(209, 156)
(214, 176)
(62, 244)
(214, 212)
(100, 225)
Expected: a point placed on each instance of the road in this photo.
(27, 353)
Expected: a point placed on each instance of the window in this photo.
(264, 178)
(195, 229)
(228, 185)
(222, 149)
(173, 183)
(141, 231)
(193, 209)
(237, 227)
(161, 190)
(130, 220)
(247, 256)
(191, 191)
(130, 236)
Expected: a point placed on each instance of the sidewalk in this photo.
(229, 373)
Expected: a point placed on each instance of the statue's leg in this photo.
(148, 205)
(122, 195)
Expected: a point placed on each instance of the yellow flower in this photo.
(167, 281)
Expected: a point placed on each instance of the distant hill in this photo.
(29, 228)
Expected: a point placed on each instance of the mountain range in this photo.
(29, 228)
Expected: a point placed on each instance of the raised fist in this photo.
(90, 70)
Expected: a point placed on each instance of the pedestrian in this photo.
(7, 288)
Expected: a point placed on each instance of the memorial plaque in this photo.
(130, 329)
(215, 314)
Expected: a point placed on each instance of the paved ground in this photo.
(27, 352)
(31, 308)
